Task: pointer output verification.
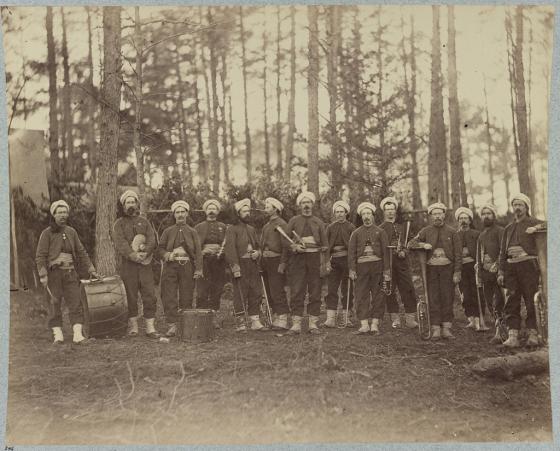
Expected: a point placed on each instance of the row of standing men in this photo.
(360, 264)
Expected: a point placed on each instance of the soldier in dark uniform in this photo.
(179, 248)
(211, 234)
(60, 257)
(401, 276)
(338, 234)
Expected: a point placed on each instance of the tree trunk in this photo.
(265, 97)
(223, 121)
(279, 163)
(106, 206)
(248, 149)
(292, 104)
(458, 188)
(53, 100)
(380, 113)
(183, 136)
(521, 107)
(437, 162)
(91, 105)
(138, 99)
(67, 136)
(359, 138)
(313, 102)
(202, 167)
(510, 45)
(209, 115)
(214, 151)
(489, 143)
(332, 78)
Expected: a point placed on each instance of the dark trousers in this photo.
(521, 280)
(440, 293)
(338, 277)
(64, 284)
(175, 278)
(305, 276)
(139, 278)
(492, 293)
(468, 288)
(370, 302)
(401, 279)
(249, 284)
(210, 288)
(274, 283)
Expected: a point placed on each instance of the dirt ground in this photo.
(262, 388)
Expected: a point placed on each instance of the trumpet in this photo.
(423, 306)
(541, 297)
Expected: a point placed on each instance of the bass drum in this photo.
(105, 307)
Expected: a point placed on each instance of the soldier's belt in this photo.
(211, 247)
(342, 253)
(270, 254)
(441, 261)
(522, 258)
(311, 249)
(368, 258)
(247, 255)
(468, 260)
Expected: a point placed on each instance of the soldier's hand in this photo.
(494, 267)
(282, 268)
(387, 277)
(530, 230)
(501, 280)
(456, 278)
(401, 254)
(95, 275)
(352, 274)
(141, 256)
(198, 274)
(44, 280)
(427, 246)
(255, 254)
(297, 248)
(236, 274)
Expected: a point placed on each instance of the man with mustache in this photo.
(443, 268)
(306, 263)
(468, 237)
(368, 263)
(60, 257)
(242, 255)
(488, 252)
(211, 233)
(401, 276)
(338, 234)
(136, 272)
(179, 248)
(518, 270)
(273, 262)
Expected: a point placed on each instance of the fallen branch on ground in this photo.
(511, 366)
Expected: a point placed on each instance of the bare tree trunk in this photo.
(91, 104)
(138, 99)
(106, 206)
(225, 91)
(202, 166)
(380, 113)
(265, 96)
(248, 149)
(437, 162)
(209, 115)
(279, 163)
(332, 78)
(489, 143)
(313, 102)
(510, 45)
(358, 110)
(458, 188)
(214, 151)
(67, 136)
(53, 100)
(183, 135)
(292, 104)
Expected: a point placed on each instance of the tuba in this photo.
(423, 305)
(541, 296)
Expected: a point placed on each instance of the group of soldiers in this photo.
(363, 266)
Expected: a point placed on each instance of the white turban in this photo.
(523, 198)
(389, 200)
(365, 205)
(58, 203)
(242, 203)
(209, 202)
(462, 210)
(275, 203)
(178, 204)
(490, 207)
(305, 195)
(435, 206)
(128, 193)
(341, 203)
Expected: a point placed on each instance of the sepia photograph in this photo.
(278, 224)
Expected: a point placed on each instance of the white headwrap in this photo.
(490, 207)
(465, 210)
(275, 203)
(209, 202)
(435, 206)
(178, 204)
(306, 195)
(389, 200)
(341, 203)
(523, 198)
(365, 205)
(128, 193)
(58, 203)
(242, 203)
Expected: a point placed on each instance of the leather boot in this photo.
(513, 339)
(331, 319)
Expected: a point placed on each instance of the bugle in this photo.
(541, 296)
